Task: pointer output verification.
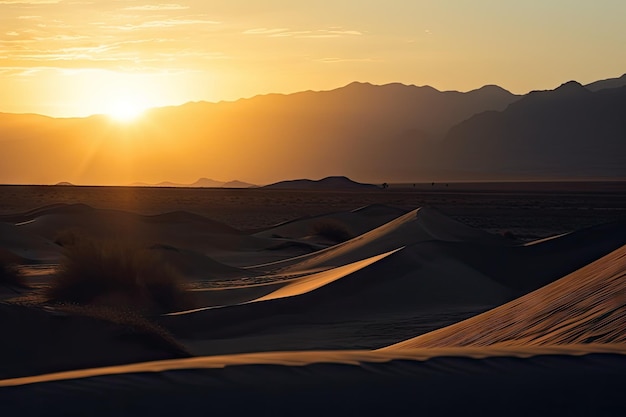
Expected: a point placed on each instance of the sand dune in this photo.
(419, 225)
(356, 222)
(587, 306)
(107, 223)
(187, 232)
(38, 341)
(487, 324)
(411, 281)
(535, 381)
(27, 246)
(196, 266)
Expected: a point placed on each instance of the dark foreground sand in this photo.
(417, 312)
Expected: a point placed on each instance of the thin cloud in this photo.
(319, 33)
(264, 31)
(339, 60)
(164, 24)
(157, 7)
(31, 2)
(344, 32)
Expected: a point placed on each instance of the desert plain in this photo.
(419, 299)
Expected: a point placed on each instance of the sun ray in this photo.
(125, 108)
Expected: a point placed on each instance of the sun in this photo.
(126, 108)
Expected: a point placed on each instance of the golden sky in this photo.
(80, 57)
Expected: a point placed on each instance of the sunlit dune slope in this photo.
(587, 306)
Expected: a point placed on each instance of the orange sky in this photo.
(75, 58)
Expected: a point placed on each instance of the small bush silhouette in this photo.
(112, 274)
(10, 275)
(332, 230)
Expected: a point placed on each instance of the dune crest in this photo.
(587, 306)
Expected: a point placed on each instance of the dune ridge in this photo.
(421, 224)
(588, 305)
(344, 357)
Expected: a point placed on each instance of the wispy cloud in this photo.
(157, 7)
(264, 31)
(340, 60)
(167, 23)
(318, 33)
(30, 2)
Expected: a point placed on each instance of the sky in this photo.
(68, 58)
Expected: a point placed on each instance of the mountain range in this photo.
(200, 183)
(376, 133)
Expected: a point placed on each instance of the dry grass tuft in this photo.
(113, 274)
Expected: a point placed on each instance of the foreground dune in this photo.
(587, 306)
(399, 305)
(574, 380)
(573, 365)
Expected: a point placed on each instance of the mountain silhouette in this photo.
(566, 132)
(328, 183)
(609, 83)
(200, 183)
(376, 133)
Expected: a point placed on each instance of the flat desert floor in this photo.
(418, 299)
(530, 209)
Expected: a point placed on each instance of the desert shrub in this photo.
(110, 273)
(10, 275)
(332, 230)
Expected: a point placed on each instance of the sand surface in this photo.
(417, 312)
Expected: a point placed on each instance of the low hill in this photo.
(328, 183)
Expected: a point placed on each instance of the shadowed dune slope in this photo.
(27, 246)
(180, 229)
(193, 264)
(38, 341)
(535, 381)
(589, 305)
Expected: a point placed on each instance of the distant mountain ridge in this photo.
(200, 183)
(569, 131)
(377, 133)
(609, 83)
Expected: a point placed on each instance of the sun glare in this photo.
(126, 109)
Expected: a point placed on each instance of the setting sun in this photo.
(126, 109)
